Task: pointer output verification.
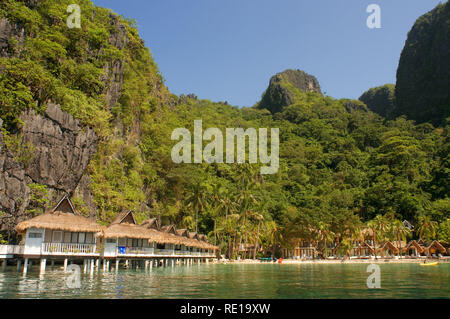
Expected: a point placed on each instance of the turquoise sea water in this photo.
(235, 281)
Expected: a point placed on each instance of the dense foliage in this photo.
(339, 168)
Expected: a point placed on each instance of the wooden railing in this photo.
(136, 251)
(159, 252)
(68, 249)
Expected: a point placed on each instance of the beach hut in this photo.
(60, 232)
(388, 249)
(414, 249)
(434, 248)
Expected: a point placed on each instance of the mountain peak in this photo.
(285, 86)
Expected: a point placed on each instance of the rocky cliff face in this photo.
(380, 100)
(62, 149)
(423, 75)
(283, 88)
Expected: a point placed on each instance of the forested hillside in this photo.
(86, 112)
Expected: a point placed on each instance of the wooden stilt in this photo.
(92, 265)
(43, 264)
(65, 264)
(25, 266)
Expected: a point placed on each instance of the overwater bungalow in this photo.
(60, 232)
(124, 238)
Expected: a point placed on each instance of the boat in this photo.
(429, 264)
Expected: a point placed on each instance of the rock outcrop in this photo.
(10, 31)
(62, 149)
(283, 88)
(113, 71)
(380, 100)
(423, 75)
(14, 192)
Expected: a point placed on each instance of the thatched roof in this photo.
(203, 238)
(60, 221)
(183, 232)
(365, 245)
(151, 223)
(124, 226)
(388, 246)
(193, 235)
(171, 229)
(438, 246)
(126, 230)
(126, 216)
(62, 217)
(415, 244)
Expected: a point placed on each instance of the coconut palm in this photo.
(379, 226)
(401, 232)
(426, 227)
(324, 235)
(197, 199)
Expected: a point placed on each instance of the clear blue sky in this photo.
(227, 50)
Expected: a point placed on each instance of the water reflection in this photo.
(234, 281)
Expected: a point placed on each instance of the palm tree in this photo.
(324, 235)
(197, 199)
(379, 226)
(400, 232)
(426, 227)
(259, 218)
(273, 235)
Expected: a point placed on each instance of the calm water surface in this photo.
(235, 281)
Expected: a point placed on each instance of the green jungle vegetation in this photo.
(341, 170)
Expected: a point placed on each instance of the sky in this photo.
(227, 50)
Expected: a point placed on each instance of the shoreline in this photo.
(336, 261)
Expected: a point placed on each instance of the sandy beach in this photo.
(336, 261)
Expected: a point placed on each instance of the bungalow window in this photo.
(34, 235)
(74, 238)
(57, 236)
(130, 242)
(160, 246)
(122, 242)
(67, 237)
(81, 238)
(111, 241)
(89, 238)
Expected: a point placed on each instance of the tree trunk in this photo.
(257, 241)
